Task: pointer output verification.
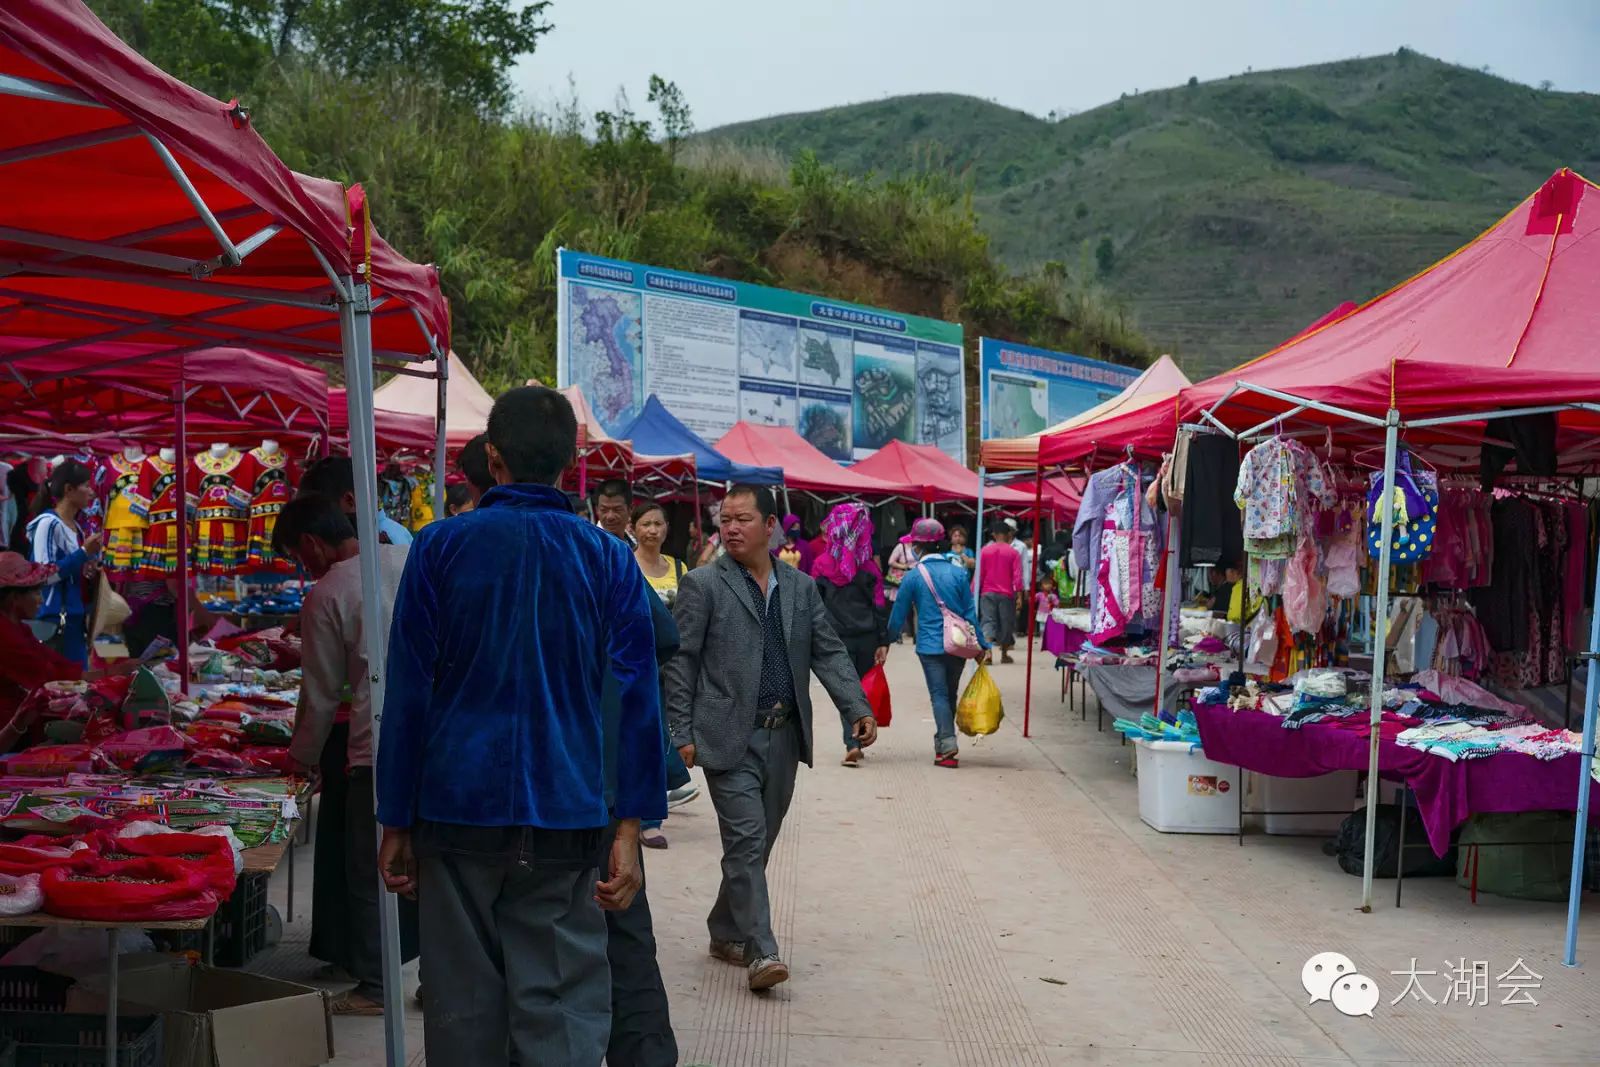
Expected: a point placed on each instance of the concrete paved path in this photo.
(1016, 913)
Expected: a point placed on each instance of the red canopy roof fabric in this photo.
(1159, 384)
(1148, 428)
(137, 208)
(1061, 496)
(1508, 320)
(935, 476)
(119, 390)
(396, 431)
(804, 466)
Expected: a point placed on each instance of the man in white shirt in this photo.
(1024, 549)
(312, 529)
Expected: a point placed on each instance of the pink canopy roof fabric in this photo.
(466, 403)
(934, 475)
(396, 431)
(1508, 320)
(118, 389)
(1159, 383)
(137, 208)
(804, 466)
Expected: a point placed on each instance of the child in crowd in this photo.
(1045, 601)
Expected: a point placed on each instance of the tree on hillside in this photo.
(465, 48)
(676, 119)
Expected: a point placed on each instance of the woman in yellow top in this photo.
(660, 570)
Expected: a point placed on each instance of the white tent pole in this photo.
(1391, 434)
(442, 364)
(356, 328)
(1580, 829)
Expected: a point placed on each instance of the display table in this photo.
(1447, 793)
(112, 929)
(263, 859)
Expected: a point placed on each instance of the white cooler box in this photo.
(1182, 792)
(1333, 792)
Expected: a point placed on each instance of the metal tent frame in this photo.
(327, 318)
(1391, 426)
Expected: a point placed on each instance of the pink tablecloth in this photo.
(1447, 793)
(1061, 640)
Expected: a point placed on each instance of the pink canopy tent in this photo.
(935, 476)
(1157, 386)
(804, 467)
(396, 431)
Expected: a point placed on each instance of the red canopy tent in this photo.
(1507, 321)
(804, 467)
(1147, 395)
(396, 431)
(114, 391)
(137, 209)
(935, 477)
(603, 456)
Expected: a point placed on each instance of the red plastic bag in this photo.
(876, 685)
(166, 889)
(37, 854)
(212, 856)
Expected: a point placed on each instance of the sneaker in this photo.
(947, 761)
(653, 838)
(677, 798)
(728, 952)
(767, 972)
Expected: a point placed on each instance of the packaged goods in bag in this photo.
(875, 684)
(980, 711)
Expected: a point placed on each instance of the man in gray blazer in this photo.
(752, 630)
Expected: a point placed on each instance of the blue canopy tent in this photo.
(657, 431)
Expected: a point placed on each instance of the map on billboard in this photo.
(1024, 390)
(847, 378)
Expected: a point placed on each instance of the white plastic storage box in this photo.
(1334, 792)
(1182, 792)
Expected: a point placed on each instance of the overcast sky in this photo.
(745, 59)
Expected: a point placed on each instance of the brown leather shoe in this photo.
(767, 972)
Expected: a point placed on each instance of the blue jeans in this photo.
(943, 673)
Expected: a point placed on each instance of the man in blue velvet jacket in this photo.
(491, 761)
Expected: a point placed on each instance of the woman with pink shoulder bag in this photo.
(940, 590)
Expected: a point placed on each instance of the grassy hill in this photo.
(1228, 214)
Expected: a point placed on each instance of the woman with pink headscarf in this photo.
(851, 587)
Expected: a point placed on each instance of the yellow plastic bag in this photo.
(979, 711)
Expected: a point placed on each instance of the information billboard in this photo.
(847, 378)
(1024, 390)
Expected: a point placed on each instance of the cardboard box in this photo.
(220, 1018)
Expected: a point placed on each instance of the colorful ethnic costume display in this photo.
(222, 510)
(127, 513)
(271, 486)
(158, 486)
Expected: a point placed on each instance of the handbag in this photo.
(960, 636)
(1415, 513)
